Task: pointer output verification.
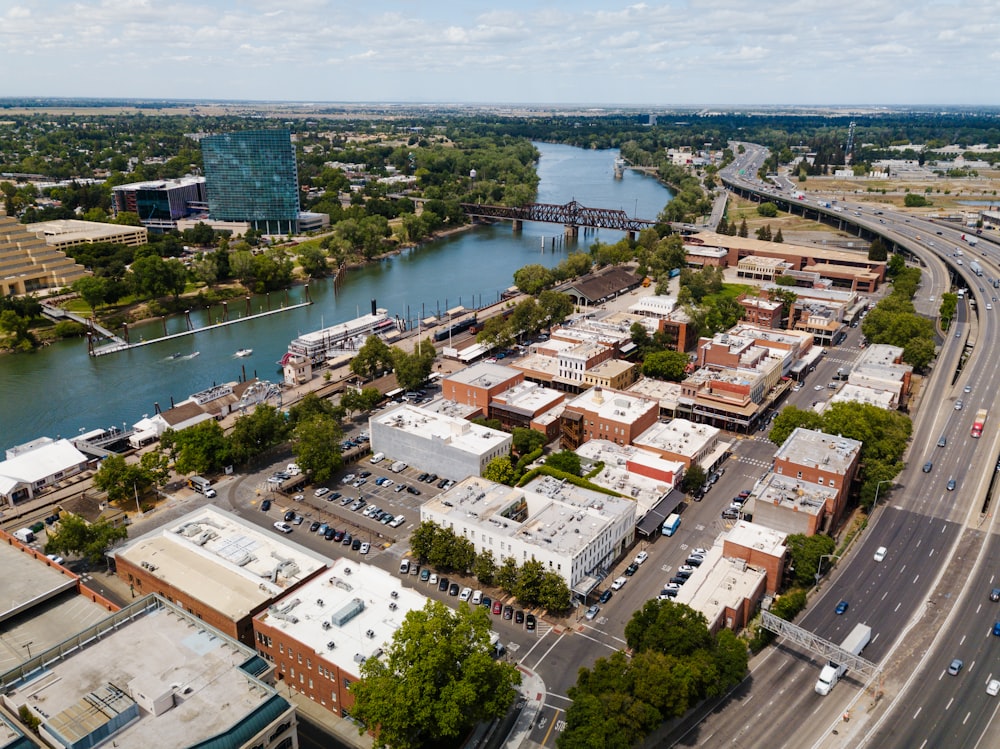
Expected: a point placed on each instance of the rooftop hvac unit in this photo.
(331, 645)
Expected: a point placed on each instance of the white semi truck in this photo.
(854, 643)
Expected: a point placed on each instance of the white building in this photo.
(686, 442)
(436, 442)
(576, 533)
(32, 467)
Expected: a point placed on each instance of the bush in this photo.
(69, 329)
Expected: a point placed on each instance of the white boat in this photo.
(244, 352)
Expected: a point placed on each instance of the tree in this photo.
(767, 210)
(694, 478)
(422, 539)
(877, 250)
(316, 443)
(121, 479)
(257, 431)
(525, 440)
(311, 405)
(779, 238)
(913, 200)
(313, 261)
(373, 357)
(805, 552)
(743, 231)
(669, 628)
(90, 540)
(437, 679)
(485, 567)
(500, 470)
(555, 306)
(665, 365)
(566, 461)
(201, 448)
(92, 290)
(533, 279)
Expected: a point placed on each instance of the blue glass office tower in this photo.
(251, 176)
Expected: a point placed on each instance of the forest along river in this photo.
(60, 391)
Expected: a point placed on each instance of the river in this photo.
(60, 391)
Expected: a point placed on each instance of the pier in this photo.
(121, 344)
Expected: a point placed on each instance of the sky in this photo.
(703, 53)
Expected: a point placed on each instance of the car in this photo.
(682, 574)
(370, 511)
(592, 612)
(346, 500)
(356, 544)
(321, 491)
(967, 389)
(677, 580)
(497, 608)
(477, 597)
(364, 474)
(453, 589)
(880, 553)
(399, 488)
(359, 483)
(55, 558)
(744, 494)
(314, 526)
(487, 603)
(298, 520)
(841, 607)
(606, 595)
(425, 575)
(508, 612)
(299, 497)
(996, 629)
(386, 481)
(668, 593)
(365, 547)
(686, 568)
(730, 514)
(466, 594)
(995, 594)
(331, 534)
(519, 617)
(423, 477)
(955, 666)
(817, 388)
(928, 466)
(397, 521)
(413, 490)
(442, 483)
(323, 528)
(631, 569)
(958, 405)
(993, 688)
(283, 527)
(529, 622)
(289, 515)
(619, 583)
(379, 481)
(694, 560)
(432, 478)
(942, 441)
(274, 480)
(348, 478)
(699, 551)
(641, 557)
(339, 535)
(265, 505)
(443, 584)
(951, 485)
(387, 518)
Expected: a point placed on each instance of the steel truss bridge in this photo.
(572, 215)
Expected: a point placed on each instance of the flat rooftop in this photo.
(346, 615)
(219, 559)
(808, 447)
(678, 436)
(613, 405)
(792, 494)
(759, 537)
(455, 432)
(529, 398)
(27, 580)
(483, 374)
(726, 583)
(877, 397)
(151, 651)
(618, 476)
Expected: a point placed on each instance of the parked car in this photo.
(606, 595)
(443, 584)
(365, 546)
(466, 594)
(508, 611)
(592, 611)
(487, 603)
(519, 617)
(314, 526)
(631, 569)
(497, 608)
(321, 491)
(265, 505)
(619, 583)
(331, 534)
(289, 515)
(283, 527)
(356, 544)
(425, 575)
(641, 557)
(529, 622)
(453, 589)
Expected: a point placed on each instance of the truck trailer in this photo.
(854, 643)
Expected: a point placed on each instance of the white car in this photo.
(641, 557)
(880, 553)
(465, 595)
(817, 387)
(993, 688)
(321, 492)
(397, 521)
(619, 583)
(365, 547)
(55, 558)
(283, 527)
(386, 482)
(348, 478)
(433, 578)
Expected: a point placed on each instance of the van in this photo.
(404, 567)
(377, 458)
(25, 535)
(398, 466)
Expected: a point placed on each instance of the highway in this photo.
(927, 601)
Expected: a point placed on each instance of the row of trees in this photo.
(676, 662)
(412, 370)
(530, 583)
(895, 321)
(528, 318)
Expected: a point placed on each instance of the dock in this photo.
(120, 344)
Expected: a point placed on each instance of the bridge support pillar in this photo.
(518, 225)
(571, 231)
(630, 235)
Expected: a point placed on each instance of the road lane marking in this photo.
(948, 706)
(551, 726)
(962, 641)
(915, 579)
(918, 713)
(966, 718)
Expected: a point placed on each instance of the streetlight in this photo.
(877, 487)
(819, 566)
(27, 646)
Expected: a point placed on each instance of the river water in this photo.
(60, 391)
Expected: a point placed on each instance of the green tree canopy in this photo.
(316, 443)
(566, 461)
(436, 680)
(500, 470)
(255, 432)
(665, 365)
(805, 552)
(76, 537)
(202, 448)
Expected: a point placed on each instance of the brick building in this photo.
(760, 547)
(479, 384)
(610, 415)
(818, 458)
